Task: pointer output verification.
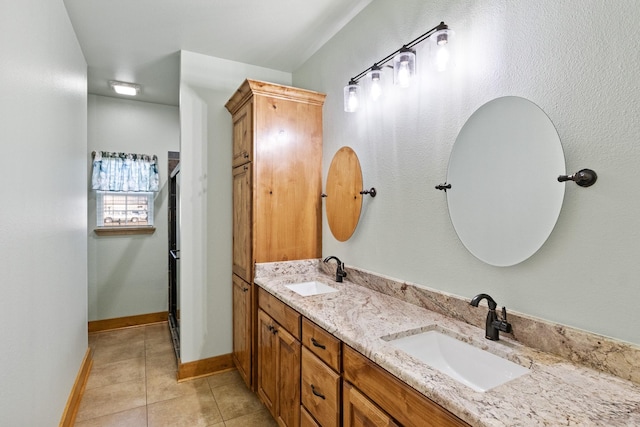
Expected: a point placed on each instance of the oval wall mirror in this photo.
(344, 201)
(505, 198)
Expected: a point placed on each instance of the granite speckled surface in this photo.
(555, 392)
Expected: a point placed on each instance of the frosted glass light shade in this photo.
(351, 101)
(375, 82)
(404, 67)
(442, 39)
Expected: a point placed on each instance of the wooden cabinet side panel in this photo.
(242, 328)
(403, 403)
(358, 411)
(288, 377)
(267, 362)
(288, 182)
(242, 222)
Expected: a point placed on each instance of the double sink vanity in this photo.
(372, 351)
(400, 364)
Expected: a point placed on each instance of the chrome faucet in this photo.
(340, 273)
(494, 325)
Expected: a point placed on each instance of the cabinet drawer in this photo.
(321, 343)
(320, 390)
(400, 401)
(287, 317)
(306, 420)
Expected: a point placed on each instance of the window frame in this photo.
(129, 212)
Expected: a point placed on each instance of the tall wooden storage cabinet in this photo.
(277, 185)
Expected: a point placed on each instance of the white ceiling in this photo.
(138, 40)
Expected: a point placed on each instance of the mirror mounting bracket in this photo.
(371, 192)
(584, 178)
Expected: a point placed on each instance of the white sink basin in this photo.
(463, 362)
(311, 288)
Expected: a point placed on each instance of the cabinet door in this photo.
(242, 225)
(358, 411)
(267, 362)
(288, 169)
(243, 135)
(242, 328)
(288, 377)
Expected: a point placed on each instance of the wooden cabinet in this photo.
(278, 379)
(358, 411)
(277, 183)
(401, 402)
(242, 328)
(277, 131)
(299, 378)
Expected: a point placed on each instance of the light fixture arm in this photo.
(410, 45)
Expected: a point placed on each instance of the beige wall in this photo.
(579, 62)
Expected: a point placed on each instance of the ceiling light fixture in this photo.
(404, 66)
(123, 88)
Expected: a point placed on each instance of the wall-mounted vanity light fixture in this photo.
(584, 178)
(124, 88)
(404, 66)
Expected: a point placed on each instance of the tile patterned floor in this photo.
(133, 384)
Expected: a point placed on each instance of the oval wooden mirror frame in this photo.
(344, 201)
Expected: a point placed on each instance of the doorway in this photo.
(173, 216)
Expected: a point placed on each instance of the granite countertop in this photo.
(555, 392)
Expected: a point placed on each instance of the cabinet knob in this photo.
(245, 289)
(245, 155)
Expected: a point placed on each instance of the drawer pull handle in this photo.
(320, 395)
(317, 344)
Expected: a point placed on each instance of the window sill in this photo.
(123, 231)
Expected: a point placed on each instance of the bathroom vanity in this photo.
(351, 373)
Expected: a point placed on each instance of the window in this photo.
(119, 209)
